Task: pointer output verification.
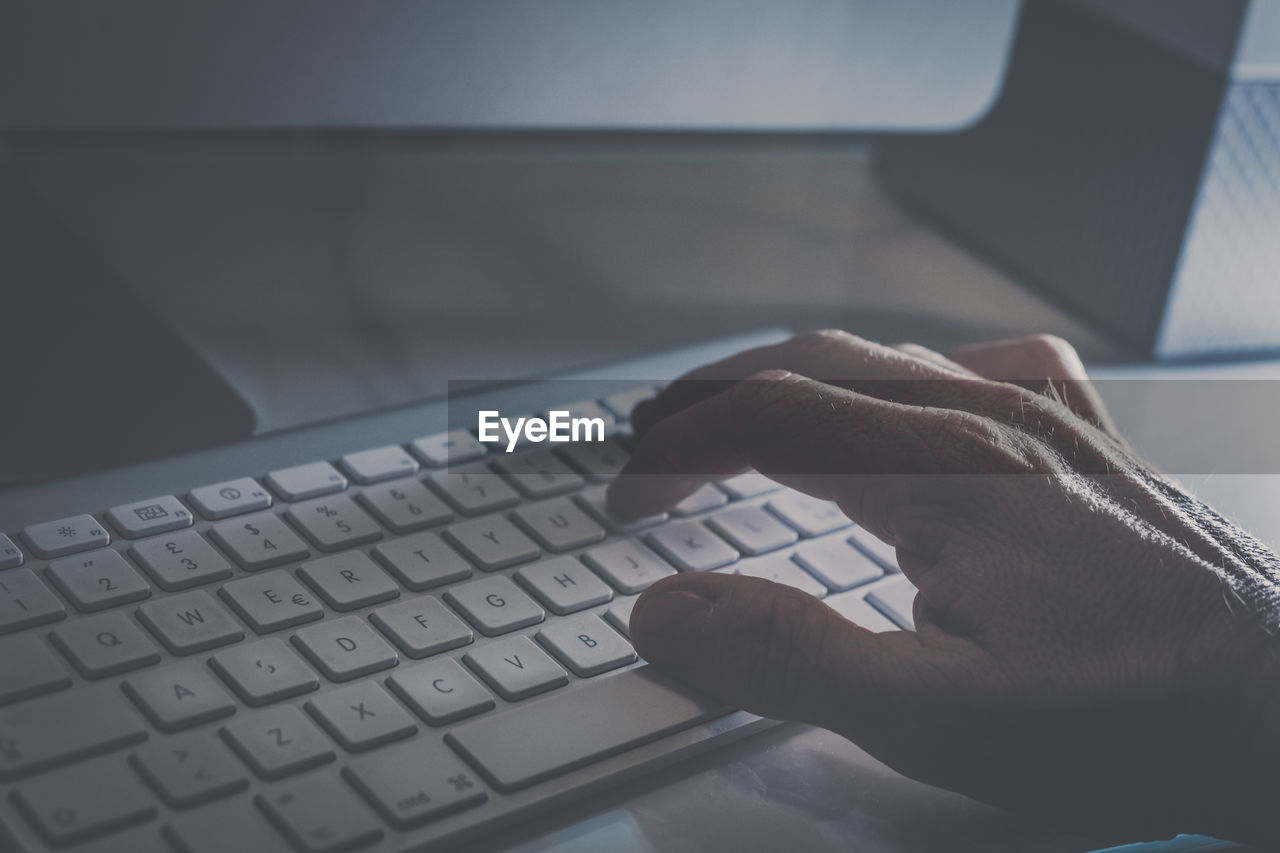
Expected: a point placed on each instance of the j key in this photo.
(894, 598)
(231, 826)
(190, 769)
(440, 692)
(259, 541)
(88, 799)
(65, 536)
(448, 448)
(628, 565)
(564, 585)
(416, 784)
(422, 561)
(474, 489)
(883, 553)
(586, 645)
(706, 497)
(104, 645)
(405, 505)
(492, 542)
(623, 402)
(28, 668)
(559, 525)
(180, 560)
(345, 648)
(747, 485)
(334, 523)
(752, 530)
(619, 614)
(810, 516)
(97, 580)
(692, 546)
(421, 626)
(598, 460)
(25, 601)
(271, 601)
(495, 605)
(540, 474)
(378, 464)
(144, 518)
(837, 563)
(362, 716)
(779, 569)
(234, 497)
(277, 741)
(10, 554)
(593, 501)
(348, 581)
(264, 671)
(190, 622)
(177, 697)
(517, 669)
(51, 730)
(321, 815)
(853, 607)
(306, 481)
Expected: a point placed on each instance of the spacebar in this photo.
(572, 728)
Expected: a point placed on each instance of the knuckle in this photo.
(1053, 349)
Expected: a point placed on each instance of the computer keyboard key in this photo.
(837, 563)
(852, 606)
(598, 460)
(57, 729)
(234, 497)
(591, 409)
(259, 541)
(422, 561)
(180, 560)
(882, 552)
(492, 542)
(558, 524)
(92, 798)
(345, 648)
(895, 598)
(628, 565)
(65, 536)
(272, 601)
(144, 837)
(416, 784)
(148, 517)
(10, 554)
(301, 482)
(334, 523)
(586, 645)
(619, 614)
(779, 569)
(564, 585)
(190, 622)
(104, 645)
(321, 815)
(691, 546)
(26, 602)
(495, 605)
(751, 530)
(593, 501)
(349, 580)
(191, 769)
(539, 474)
(448, 448)
(748, 484)
(421, 626)
(29, 668)
(178, 697)
(230, 826)
(264, 671)
(808, 515)
(378, 464)
(362, 716)
(706, 497)
(97, 580)
(574, 728)
(405, 505)
(474, 489)
(622, 402)
(517, 669)
(440, 692)
(277, 742)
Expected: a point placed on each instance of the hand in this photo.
(1093, 646)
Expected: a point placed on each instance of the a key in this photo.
(89, 799)
(619, 614)
(28, 668)
(334, 523)
(810, 516)
(271, 601)
(448, 448)
(564, 585)
(492, 542)
(345, 648)
(586, 645)
(751, 530)
(378, 464)
(691, 546)
(348, 581)
(104, 645)
(362, 716)
(421, 626)
(598, 460)
(894, 598)
(748, 484)
(882, 552)
(231, 826)
(853, 607)
(259, 541)
(440, 692)
(264, 671)
(779, 569)
(178, 697)
(539, 474)
(622, 402)
(495, 605)
(422, 561)
(26, 602)
(180, 560)
(558, 524)
(706, 497)
(474, 489)
(10, 554)
(594, 721)
(593, 501)
(145, 518)
(416, 784)
(277, 741)
(516, 668)
(306, 481)
(234, 497)
(191, 769)
(65, 536)
(837, 563)
(53, 730)
(405, 505)
(321, 815)
(97, 580)
(628, 565)
(190, 622)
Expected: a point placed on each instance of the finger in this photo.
(937, 358)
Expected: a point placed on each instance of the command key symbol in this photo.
(460, 782)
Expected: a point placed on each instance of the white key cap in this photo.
(706, 497)
(144, 518)
(747, 485)
(495, 605)
(564, 585)
(86, 800)
(422, 561)
(619, 614)
(837, 563)
(177, 697)
(853, 607)
(334, 523)
(348, 581)
(306, 481)
(190, 769)
(779, 569)
(474, 489)
(28, 668)
(440, 692)
(405, 505)
(10, 554)
(277, 741)
(540, 474)
(180, 560)
(65, 536)
(97, 580)
(558, 524)
(271, 601)
(516, 668)
(264, 671)
(421, 626)
(598, 460)
(492, 542)
(321, 815)
(752, 530)
(104, 645)
(882, 552)
(895, 598)
(25, 601)
(415, 784)
(593, 501)
(691, 546)
(586, 645)
(378, 464)
(345, 648)
(586, 409)
(51, 730)
(809, 516)
(628, 565)
(190, 622)
(622, 402)
(362, 716)
(448, 448)
(259, 541)
(234, 497)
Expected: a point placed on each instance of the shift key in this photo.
(52, 730)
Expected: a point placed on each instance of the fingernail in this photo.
(667, 624)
